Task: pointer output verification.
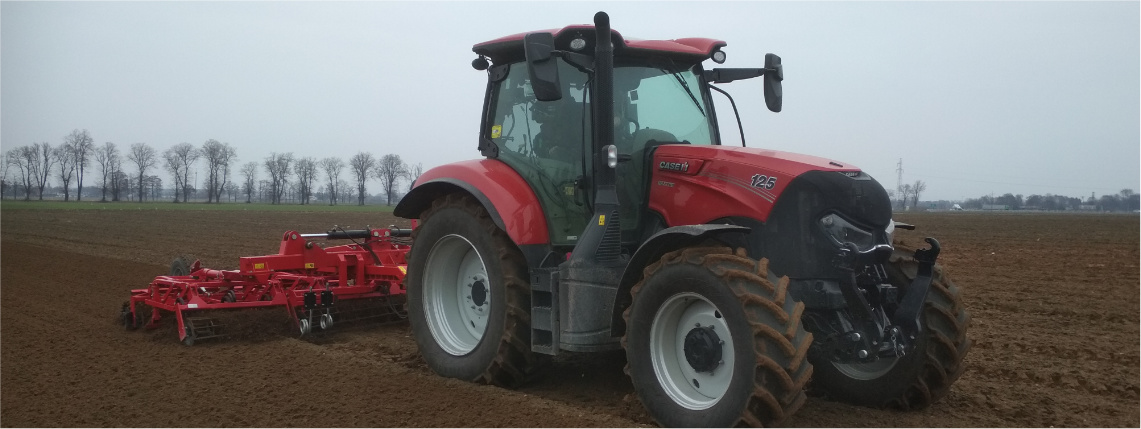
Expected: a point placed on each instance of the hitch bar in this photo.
(908, 314)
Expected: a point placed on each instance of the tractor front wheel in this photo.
(924, 375)
(713, 341)
(468, 295)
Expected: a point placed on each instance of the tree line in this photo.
(132, 174)
(1124, 201)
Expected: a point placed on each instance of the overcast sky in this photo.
(975, 97)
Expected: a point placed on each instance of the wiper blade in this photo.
(688, 90)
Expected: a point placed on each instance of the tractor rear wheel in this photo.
(468, 296)
(712, 341)
(921, 377)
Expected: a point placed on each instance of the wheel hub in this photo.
(703, 349)
(478, 293)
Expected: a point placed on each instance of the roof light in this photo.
(577, 44)
(718, 56)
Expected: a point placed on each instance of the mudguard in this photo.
(506, 196)
(663, 241)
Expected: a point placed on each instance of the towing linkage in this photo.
(871, 334)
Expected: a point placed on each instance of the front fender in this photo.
(508, 198)
(664, 241)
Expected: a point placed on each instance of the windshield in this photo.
(657, 100)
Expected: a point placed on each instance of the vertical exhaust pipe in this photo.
(600, 242)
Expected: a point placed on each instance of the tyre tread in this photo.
(781, 374)
(514, 363)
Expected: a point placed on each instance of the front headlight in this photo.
(841, 231)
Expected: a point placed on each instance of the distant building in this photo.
(996, 207)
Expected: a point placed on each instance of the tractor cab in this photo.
(659, 98)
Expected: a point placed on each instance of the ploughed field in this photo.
(1053, 298)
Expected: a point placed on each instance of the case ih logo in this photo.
(674, 166)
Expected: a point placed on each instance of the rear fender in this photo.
(506, 196)
(665, 241)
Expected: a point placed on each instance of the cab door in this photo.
(544, 141)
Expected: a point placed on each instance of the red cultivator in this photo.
(310, 282)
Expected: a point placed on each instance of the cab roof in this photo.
(510, 48)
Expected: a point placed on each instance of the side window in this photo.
(543, 142)
(528, 127)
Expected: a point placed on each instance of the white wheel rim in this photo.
(457, 295)
(674, 320)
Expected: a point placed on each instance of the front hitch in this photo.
(907, 316)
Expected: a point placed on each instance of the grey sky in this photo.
(975, 97)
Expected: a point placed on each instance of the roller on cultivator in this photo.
(310, 282)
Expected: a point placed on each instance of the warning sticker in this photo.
(496, 131)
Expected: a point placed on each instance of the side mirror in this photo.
(774, 74)
(542, 67)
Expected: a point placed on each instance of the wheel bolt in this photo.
(862, 354)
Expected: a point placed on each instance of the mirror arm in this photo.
(729, 75)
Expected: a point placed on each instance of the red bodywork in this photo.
(687, 47)
(699, 184)
(300, 267)
(509, 195)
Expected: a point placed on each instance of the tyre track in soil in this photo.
(1053, 300)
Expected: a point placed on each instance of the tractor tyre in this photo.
(921, 377)
(712, 341)
(469, 299)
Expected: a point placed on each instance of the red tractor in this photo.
(606, 214)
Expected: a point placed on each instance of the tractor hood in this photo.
(787, 163)
(729, 182)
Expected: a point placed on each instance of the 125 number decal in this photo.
(764, 182)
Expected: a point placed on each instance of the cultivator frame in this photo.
(304, 278)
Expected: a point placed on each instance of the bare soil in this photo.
(1054, 300)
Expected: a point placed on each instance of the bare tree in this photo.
(278, 167)
(250, 177)
(343, 189)
(389, 170)
(917, 189)
(143, 155)
(65, 163)
(362, 164)
(218, 157)
(41, 163)
(21, 158)
(81, 145)
(306, 170)
(120, 181)
(179, 158)
(414, 172)
(5, 168)
(153, 185)
(905, 194)
(107, 157)
(332, 167)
